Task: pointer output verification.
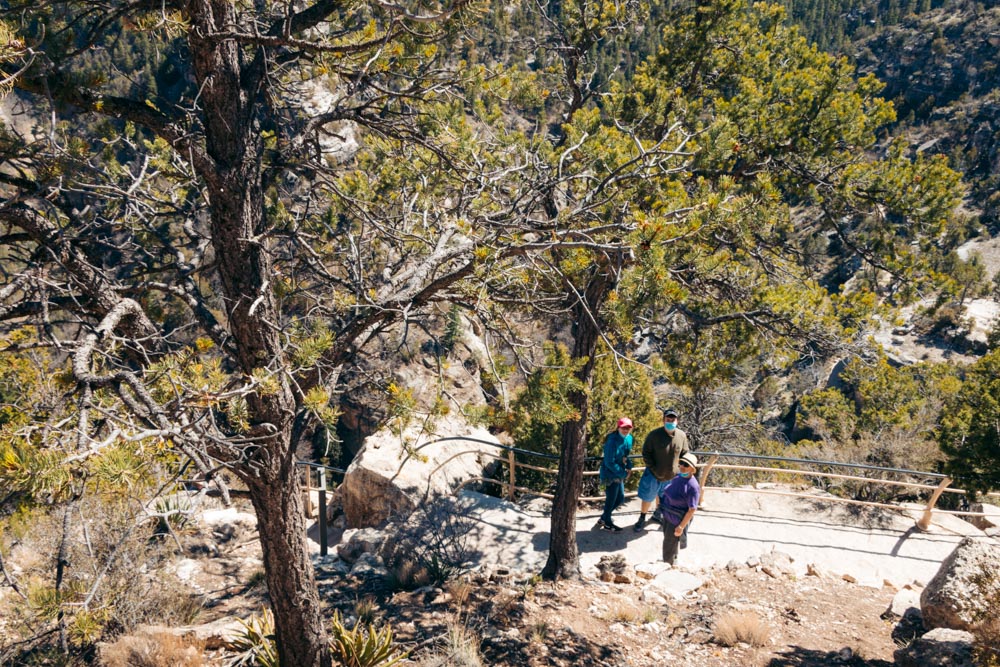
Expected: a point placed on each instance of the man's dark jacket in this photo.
(661, 450)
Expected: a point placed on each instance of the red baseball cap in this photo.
(624, 421)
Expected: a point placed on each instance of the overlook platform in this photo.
(874, 546)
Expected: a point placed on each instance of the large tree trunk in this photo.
(564, 555)
(290, 582)
(231, 84)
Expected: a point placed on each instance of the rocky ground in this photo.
(626, 610)
(738, 616)
(757, 612)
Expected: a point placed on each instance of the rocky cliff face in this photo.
(935, 58)
(942, 71)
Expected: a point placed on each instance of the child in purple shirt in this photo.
(678, 503)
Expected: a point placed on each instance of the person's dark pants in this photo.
(614, 496)
(671, 544)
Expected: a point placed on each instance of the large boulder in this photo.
(965, 589)
(393, 474)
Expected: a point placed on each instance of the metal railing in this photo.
(710, 462)
(321, 488)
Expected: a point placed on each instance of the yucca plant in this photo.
(363, 646)
(256, 647)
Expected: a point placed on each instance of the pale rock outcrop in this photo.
(215, 635)
(393, 475)
(941, 647)
(966, 587)
(355, 543)
(904, 600)
(674, 584)
(991, 520)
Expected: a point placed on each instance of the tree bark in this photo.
(564, 555)
(231, 83)
(290, 582)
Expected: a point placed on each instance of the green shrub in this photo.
(256, 646)
(363, 646)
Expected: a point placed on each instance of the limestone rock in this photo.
(903, 601)
(651, 570)
(938, 648)
(393, 475)
(650, 596)
(216, 635)
(966, 587)
(358, 542)
(369, 566)
(674, 584)
(991, 520)
(814, 570)
(229, 516)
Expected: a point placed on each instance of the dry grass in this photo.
(539, 632)
(459, 591)
(987, 646)
(154, 649)
(408, 575)
(741, 626)
(461, 649)
(367, 611)
(623, 613)
(650, 614)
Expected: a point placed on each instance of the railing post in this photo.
(322, 512)
(925, 520)
(308, 471)
(511, 480)
(703, 478)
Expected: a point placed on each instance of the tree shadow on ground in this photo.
(798, 656)
(858, 515)
(559, 647)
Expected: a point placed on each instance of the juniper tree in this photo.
(701, 186)
(205, 250)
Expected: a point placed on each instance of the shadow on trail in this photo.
(797, 656)
(601, 540)
(902, 539)
(869, 517)
(562, 647)
(833, 546)
(815, 523)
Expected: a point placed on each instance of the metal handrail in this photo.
(862, 466)
(511, 488)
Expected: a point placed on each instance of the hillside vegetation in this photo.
(228, 229)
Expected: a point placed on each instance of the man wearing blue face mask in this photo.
(661, 451)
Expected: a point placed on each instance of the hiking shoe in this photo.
(657, 516)
(600, 525)
(640, 524)
(612, 527)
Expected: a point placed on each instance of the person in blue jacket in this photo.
(615, 467)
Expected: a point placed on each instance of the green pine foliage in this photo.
(881, 415)
(968, 435)
(620, 388)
